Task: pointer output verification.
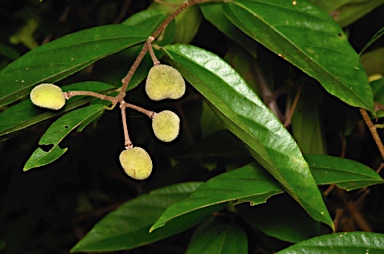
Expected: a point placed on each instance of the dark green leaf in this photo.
(247, 184)
(340, 243)
(25, 114)
(306, 123)
(127, 227)
(60, 58)
(253, 184)
(213, 237)
(347, 174)
(213, 12)
(308, 38)
(57, 132)
(248, 118)
(373, 61)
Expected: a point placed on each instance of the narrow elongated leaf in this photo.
(247, 117)
(341, 243)
(253, 184)
(247, 184)
(127, 226)
(347, 174)
(214, 237)
(60, 58)
(306, 123)
(308, 38)
(57, 132)
(213, 12)
(26, 114)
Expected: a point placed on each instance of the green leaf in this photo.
(62, 57)
(345, 12)
(57, 132)
(213, 237)
(308, 38)
(127, 226)
(26, 114)
(248, 118)
(346, 242)
(247, 184)
(306, 123)
(345, 173)
(373, 61)
(213, 12)
(253, 184)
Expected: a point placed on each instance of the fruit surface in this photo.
(166, 125)
(164, 82)
(48, 96)
(136, 163)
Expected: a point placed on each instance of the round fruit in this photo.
(164, 82)
(166, 125)
(48, 96)
(136, 163)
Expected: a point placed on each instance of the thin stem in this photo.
(293, 107)
(70, 94)
(149, 113)
(372, 128)
(125, 81)
(153, 56)
(127, 141)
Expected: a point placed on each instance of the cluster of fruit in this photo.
(163, 82)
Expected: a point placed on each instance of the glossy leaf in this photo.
(25, 114)
(213, 12)
(213, 237)
(247, 184)
(253, 184)
(127, 226)
(308, 38)
(62, 57)
(249, 119)
(57, 132)
(346, 174)
(347, 242)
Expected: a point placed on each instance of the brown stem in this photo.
(70, 94)
(372, 128)
(153, 56)
(125, 81)
(288, 119)
(127, 141)
(149, 113)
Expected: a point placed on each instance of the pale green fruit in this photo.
(164, 82)
(166, 125)
(136, 163)
(48, 96)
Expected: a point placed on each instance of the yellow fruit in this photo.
(48, 96)
(164, 82)
(136, 163)
(166, 125)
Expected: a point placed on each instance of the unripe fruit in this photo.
(136, 163)
(48, 96)
(166, 125)
(164, 82)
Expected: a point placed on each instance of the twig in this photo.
(127, 141)
(372, 128)
(293, 107)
